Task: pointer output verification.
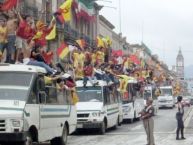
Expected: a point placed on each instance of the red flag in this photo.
(117, 53)
(48, 56)
(134, 59)
(8, 4)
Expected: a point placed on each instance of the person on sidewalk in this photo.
(148, 122)
(179, 118)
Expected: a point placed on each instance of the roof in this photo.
(133, 80)
(100, 83)
(107, 22)
(166, 87)
(21, 68)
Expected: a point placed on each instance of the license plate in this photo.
(79, 125)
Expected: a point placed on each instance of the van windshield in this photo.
(90, 94)
(166, 92)
(147, 94)
(14, 85)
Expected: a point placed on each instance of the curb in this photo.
(188, 113)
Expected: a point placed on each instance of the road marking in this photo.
(136, 127)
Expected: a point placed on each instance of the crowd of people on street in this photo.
(24, 41)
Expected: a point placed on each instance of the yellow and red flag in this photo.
(81, 43)
(52, 34)
(63, 50)
(64, 13)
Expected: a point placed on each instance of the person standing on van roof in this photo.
(148, 122)
(179, 118)
(3, 36)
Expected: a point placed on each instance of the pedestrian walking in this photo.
(179, 118)
(148, 122)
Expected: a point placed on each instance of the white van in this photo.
(98, 106)
(166, 99)
(30, 111)
(149, 91)
(131, 107)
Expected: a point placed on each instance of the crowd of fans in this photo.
(24, 41)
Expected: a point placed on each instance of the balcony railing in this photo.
(73, 35)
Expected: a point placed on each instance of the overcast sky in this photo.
(166, 25)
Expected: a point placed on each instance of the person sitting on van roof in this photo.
(89, 75)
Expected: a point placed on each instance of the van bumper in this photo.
(89, 125)
(13, 137)
(166, 105)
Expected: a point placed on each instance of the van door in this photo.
(49, 111)
(112, 107)
(31, 112)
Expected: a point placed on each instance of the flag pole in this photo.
(120, 16)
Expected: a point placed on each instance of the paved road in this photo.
(133, 134)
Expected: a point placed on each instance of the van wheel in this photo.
(103, 128)
(64, 137)
(61, 140)
(28, 140)
(119, 123)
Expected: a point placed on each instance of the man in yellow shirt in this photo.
(78, 57)
(3, 37)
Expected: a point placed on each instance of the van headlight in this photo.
(96, 114)
(16, 123)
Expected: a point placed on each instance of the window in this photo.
(64, 97)
(106, 95)
(51, 95)
(33, 97)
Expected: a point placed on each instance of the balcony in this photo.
(72, 35)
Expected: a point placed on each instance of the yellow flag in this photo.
(65, 9)
(38, 35)
(123, 82)
(100, 42)
(52, 34)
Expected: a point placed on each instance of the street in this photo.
(133, 134)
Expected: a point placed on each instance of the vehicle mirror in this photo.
(42, 97)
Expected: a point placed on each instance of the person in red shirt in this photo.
(89, 75)
(25, 32)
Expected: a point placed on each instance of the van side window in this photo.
(64, 97)
(51, 92)
(106, 95)
(68, 97)
(60, 97)
(33, 95)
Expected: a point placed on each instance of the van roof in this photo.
(166, 87)
(21, 68)
(134, 81)
(100, 83)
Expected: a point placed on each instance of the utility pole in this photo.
(120, 16)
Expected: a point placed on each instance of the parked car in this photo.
(186, 101)
(191, 100)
